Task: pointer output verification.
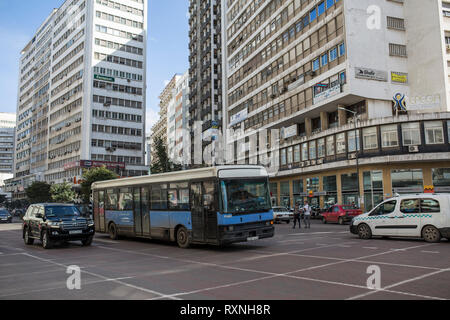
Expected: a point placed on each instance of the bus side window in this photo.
(158, 198)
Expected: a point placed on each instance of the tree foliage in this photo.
(38, 192)
(94, 175)
(62, 193)
(162, 162)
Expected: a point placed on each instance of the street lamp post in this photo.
(355, 119)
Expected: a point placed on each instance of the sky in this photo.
(167, 53)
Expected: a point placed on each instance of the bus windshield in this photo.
(244, 196)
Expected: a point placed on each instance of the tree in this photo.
(38, 192)
(62, 192)
(94, 175)
(162, 162)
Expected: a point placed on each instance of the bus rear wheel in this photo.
(183, 238)
(113, 235)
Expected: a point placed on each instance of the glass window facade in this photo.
(330, 186)
(285, 194)
(407, 181)
(349, 183)
(441, 179)
(373, 189)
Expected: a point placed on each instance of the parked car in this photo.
(340, 214)
(282, 214)
(5, 216)
(50, 223)
(425, 216)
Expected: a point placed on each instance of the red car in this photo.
(340, 214)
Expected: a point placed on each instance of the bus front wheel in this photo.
(183, 238)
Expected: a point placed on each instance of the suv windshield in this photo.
(245, 196)
(62, 211)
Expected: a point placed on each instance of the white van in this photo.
(424, 216)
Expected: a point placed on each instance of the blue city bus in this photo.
(216, 205)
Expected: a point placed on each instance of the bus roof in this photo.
(232, 171)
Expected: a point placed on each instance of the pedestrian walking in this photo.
(297, 216)
(307, 215)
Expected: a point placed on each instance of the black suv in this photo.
(56, 222)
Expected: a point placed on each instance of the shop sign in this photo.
(424, 102)
(289, 132)
(371, 74)
(399, 77)
(326, 94)
(104, 78)
(239, 117)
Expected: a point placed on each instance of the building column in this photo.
(427, 176)
(342, 116)
(324, 120)
(308, 126)
(387, 183)
(339, 187)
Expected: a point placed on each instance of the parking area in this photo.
(324, 262)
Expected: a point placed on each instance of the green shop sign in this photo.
(104, 78)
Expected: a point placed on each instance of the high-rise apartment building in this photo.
(160, 130)
(82, 88)
(205, 72)
(7, 129)
(358, 90)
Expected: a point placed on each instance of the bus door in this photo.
(209, 205)
(197, 212)
(99, 211)
(137, 211)
(145, 208)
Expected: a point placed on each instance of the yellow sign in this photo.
(399, 77)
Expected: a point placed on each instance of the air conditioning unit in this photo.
(352, 156)
(107, 104)
(307, 163)
(313, 162)
(320, 161)
(413, 149)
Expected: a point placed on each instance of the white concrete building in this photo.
(310, 67)
(82, 92)
(7, 137)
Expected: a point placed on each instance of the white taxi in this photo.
(425, 216)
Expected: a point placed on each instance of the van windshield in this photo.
(245, 196)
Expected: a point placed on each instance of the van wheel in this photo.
(113, 235)
(26, 237)
(431, 234)
(183, 238)
(364, 232)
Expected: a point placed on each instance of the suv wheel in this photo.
(26, 237)
(431, 234)
(364, 232)
(46, 242)
(183, 238)
(87, 242)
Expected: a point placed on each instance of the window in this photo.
(330, 3)
(441, 178)
(178, 197)
(324, 59)
(429, 206)
(410, 206)
(125, 200)
(283, 157)
(341, 49)
(384, 208)
(312, 150)
(111, 200)
(370, 138)
(316, 64)
(434, 132)
(389, 136)
(304, 151)
(321, 148)
(340, 143)
(407, 180)
(333, 54)
(321, 8)
(313, 15)
(289, 155)
(353, 141)
(330, 146)
(297, 153)
(411, 134)
(158, 198)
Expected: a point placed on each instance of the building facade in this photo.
(356, 91)
(7, 137)
(81, 97)
(205, 75)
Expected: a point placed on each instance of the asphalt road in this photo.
(324, 262)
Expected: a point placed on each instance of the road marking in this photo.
(371, 248)
(106, 241)
(99, 276)
(289, 275)
(315, 233)
(434, 252)
(400, 283)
